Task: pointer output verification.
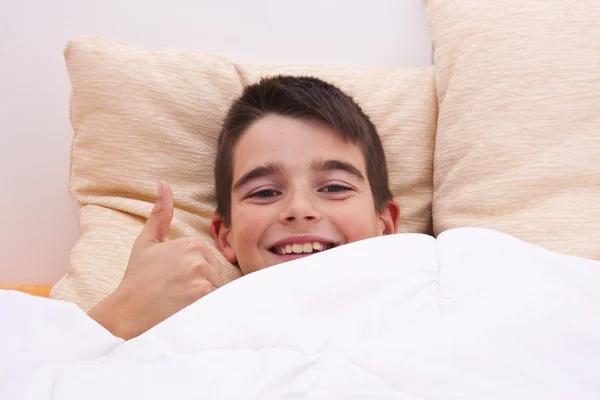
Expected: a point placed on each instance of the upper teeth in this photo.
(298, 248)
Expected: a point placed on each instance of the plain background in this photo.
(39, 221)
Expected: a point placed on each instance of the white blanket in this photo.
(475, 314)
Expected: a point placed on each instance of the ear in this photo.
(221, 234)
(389, 217)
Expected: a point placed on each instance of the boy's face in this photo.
(298, 188)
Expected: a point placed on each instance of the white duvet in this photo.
(475, 314)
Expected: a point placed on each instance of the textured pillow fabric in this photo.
(143, 116)
(518, 140)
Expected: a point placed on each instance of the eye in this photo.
(334, 188)
(264, 194)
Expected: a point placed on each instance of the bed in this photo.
(488, 291)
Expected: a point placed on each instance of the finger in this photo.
(213, 260)
(201, 271)
(197, 245)
(157, 226)
(201, 289)
(210, 273)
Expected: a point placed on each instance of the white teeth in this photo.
(299, 248)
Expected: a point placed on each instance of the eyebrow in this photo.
(336, 165)
(269, 169)
(319, 165)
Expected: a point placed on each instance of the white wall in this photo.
(38, 218)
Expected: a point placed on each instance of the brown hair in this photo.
(303, 98)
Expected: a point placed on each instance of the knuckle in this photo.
(204, 287)
(192, 296)
(194, 243)
(156, 209)
(199, 266)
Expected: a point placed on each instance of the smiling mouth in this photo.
(301, 248)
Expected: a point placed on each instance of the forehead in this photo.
(294, 143)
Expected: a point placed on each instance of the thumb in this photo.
(157, 226)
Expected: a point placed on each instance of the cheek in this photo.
(356, 223)
(248, 227)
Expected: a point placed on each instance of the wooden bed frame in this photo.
(35, 290)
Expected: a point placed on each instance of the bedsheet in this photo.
(472, 314)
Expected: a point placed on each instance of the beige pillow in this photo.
(140, 116)
(518, 141)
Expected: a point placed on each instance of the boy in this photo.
(299, 169)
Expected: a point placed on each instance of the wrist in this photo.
(112, 314)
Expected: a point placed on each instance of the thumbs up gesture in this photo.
(162, 276)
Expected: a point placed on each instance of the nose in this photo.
(299, 207)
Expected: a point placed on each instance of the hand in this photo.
(162, 277)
